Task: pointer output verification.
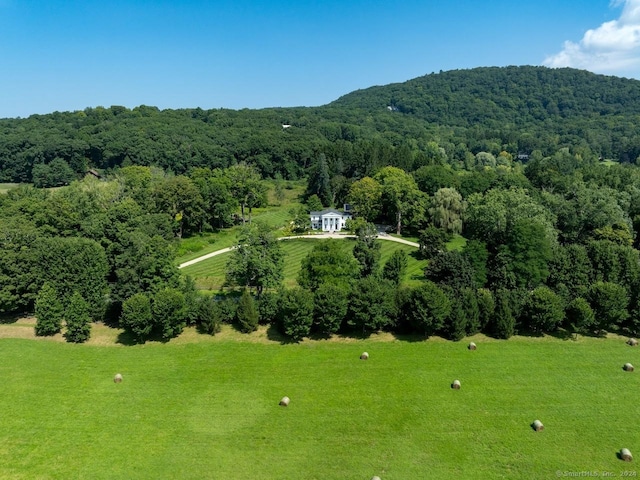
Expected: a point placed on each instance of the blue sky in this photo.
(68, 55)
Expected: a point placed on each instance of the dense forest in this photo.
(514, 109)
(534, 167)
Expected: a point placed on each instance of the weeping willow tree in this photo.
(447, 208)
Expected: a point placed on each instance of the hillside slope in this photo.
(516, 109)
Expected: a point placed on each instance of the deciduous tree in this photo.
(427, 308)
(400, 194)
(447, 209)
(327, 262)
(136, 316)
(296, 313)
(257, 260)
(168, 312)
(364, 196)
(330, 308)
(371, 304)
(543, 310)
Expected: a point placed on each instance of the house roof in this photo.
(327, 211)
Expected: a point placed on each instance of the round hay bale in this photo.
(117, 378)
(375, 477)
(456, 385)
(537, 426)
(472, 346)
(632, 342)
(625, 455)
(628, 367)
(364, 356)
(284, 402)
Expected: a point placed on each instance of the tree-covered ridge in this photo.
(512, 95)
(511, 109)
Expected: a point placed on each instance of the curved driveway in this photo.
(382, 236)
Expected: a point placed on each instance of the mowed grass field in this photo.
(210, 274)
(209, 409)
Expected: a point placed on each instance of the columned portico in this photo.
(329, 220)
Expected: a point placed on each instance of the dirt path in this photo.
(318, 236)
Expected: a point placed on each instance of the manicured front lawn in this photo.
(210, 274)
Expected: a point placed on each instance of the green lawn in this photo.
(209, 410)
(210, 274)
(5, 187)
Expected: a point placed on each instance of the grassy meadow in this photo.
(204, 407)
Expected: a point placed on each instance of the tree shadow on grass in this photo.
(564, 335)
(128, 339)
(274, 335)
(417, 255)
(10, 318)
(410, 337)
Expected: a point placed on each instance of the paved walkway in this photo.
(318, 236)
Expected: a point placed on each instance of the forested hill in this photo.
(462, 112)
(509, 95)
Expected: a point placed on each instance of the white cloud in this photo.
(613, 47)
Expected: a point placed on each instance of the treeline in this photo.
(92, 245)
(550, 246)
(518, 110)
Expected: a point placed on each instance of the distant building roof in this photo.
(329, 210)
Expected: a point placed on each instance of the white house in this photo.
(329, 220)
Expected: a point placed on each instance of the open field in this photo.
(210, 274)
(208, 408)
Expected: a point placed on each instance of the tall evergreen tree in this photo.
(78, 320)
(247, 313)
(367, 249)
(320, 181)
(395, 268)
(456, 323)
(49, 311)
(503, 322)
